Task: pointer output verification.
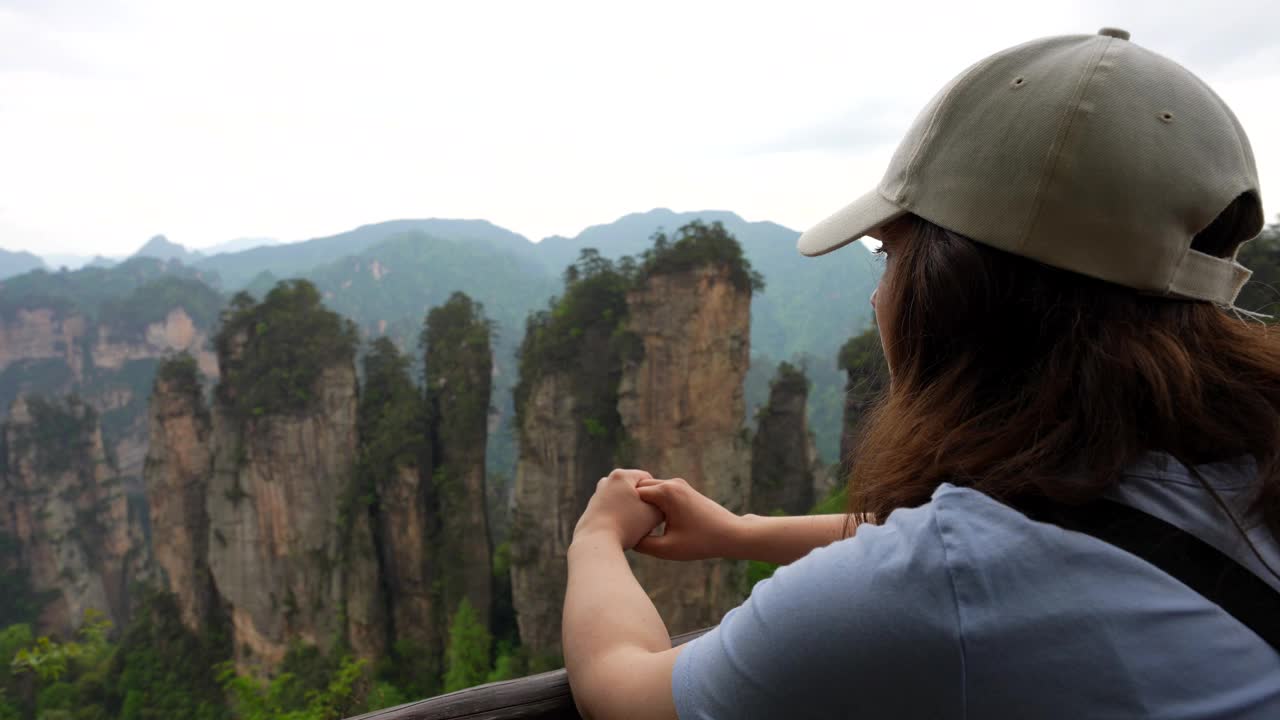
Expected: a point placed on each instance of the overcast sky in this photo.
(121, 119)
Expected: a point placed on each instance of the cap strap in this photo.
(1204, 277)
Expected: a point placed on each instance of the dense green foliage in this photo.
(89, 290)
(392, 419)
(582, 336)
(163, 670)
(697, 244)
(127, 317)
(273, 352)
(60, 433)
(467, 655)
(180, 373)
(158, 669)
(455, 340)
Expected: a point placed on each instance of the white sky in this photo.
(121, 119)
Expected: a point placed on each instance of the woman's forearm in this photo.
(782, 540)
(616, 647)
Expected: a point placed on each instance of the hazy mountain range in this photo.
(385, 276)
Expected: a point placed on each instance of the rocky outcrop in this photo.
(786, 474)
(42, 334)
(287, 565)
(569, 431)
(459, 374)
(71, 534)
(681, 406)
(559, 465)
(51, 353)
(405, 526)
(395, 470)
(328, 519)
(638, 364)
(177, 473)
(176, 334)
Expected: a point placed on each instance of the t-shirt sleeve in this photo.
(865, 627)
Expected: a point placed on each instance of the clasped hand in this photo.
(629, 504)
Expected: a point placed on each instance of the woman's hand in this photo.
(617, 511)
(697, 527)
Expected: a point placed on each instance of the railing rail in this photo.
(545, 695)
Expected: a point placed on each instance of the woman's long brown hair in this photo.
(1020, 380)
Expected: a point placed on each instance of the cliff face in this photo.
(177, 473)
(284, 561)
(569, 431)
(682, 407)
(47, 352)
(786, 474)
(306, 514)
(405, 526)
(560, 463)
(42, 334)
(71, 533)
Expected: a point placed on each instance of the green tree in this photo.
(274, 699)
(272, 353)
(467, 656)
(697, 244)
(161, 669)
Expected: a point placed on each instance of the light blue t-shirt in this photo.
(965, 608)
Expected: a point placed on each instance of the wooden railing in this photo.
(545, 695)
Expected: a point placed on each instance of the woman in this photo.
(1060, 226)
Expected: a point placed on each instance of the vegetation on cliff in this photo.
(271, 353)
(59, 435)
(697, 244)
(581, 335)
(867, 376)
(181, 374)
(782, 474)
(392, 421)
(129, 316)
(118, 291)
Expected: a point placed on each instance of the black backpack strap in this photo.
(1197, 564)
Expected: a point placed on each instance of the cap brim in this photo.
(848, 224)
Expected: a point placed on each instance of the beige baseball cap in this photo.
(1083, 152)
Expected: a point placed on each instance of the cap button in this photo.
(1115, 33)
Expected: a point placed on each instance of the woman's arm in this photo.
(782, 540)
(698, 528)
(616, 648)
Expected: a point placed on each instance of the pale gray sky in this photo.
(121, 119)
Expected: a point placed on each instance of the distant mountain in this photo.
(385, 276)
(297, 259)
(161, 248)
(238, 245)
(16, 263)
(75, 262)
